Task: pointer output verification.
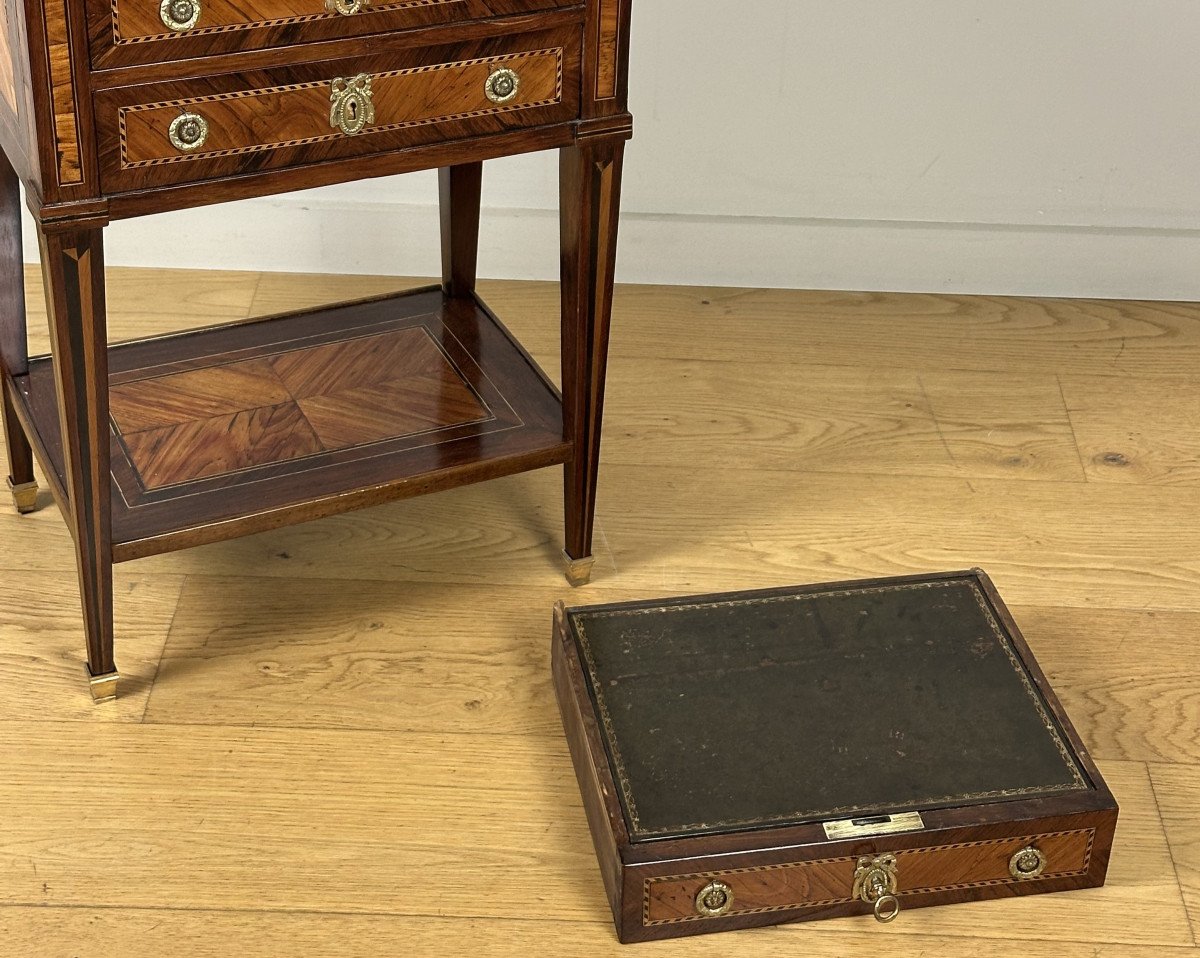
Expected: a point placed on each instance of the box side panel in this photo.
(590, 762)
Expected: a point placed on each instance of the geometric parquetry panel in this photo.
(283, 406)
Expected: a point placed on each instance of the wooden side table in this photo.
(118, 108)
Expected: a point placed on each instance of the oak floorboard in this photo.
(148, 816)
(423, 656)
(910, 330)
(691, 528)
(83, 932)
(1176, 788)
(1146, 431)
(1004, 425)
(777, 415)
(42, 651)
(1129, 679)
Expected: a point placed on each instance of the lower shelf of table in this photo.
(237, 429)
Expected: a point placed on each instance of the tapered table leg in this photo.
(14, 347)
(459, 191)
(590, 192)
(73, 267)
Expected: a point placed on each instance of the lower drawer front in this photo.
(826, 882)
(215, 127)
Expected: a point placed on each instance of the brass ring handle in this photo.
(179, 15)
(887, 907)
(188, 131)
(1027, 863)
(875, 882)
(502, 85)
(714, 899)
(351, 109)
(345, 7)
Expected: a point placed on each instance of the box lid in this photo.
(753, 710)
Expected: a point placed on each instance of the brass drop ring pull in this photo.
(179, 15)
(1028, 863)
(876, 882)
(887, 907)
(345, 7)
(714, 899)
(188, 132)
(502, 85)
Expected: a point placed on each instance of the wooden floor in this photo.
(340, 738)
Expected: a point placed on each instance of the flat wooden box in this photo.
(715, 738)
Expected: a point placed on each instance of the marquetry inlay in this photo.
(225, 418)
(8, 79)
(608, 49)
(298, 114)
(136, 21)
(62, 93)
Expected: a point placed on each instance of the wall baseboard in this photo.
(295, 234)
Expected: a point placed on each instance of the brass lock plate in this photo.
(351, 107)
(863, 827)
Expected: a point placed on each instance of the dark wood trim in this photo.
(271, 182)
(73, 264)
(19, 401)
(590, 188)
(459, 195)
(14, 344)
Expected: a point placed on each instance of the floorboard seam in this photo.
(1071, 424)
(163, 651)
(1162, 824)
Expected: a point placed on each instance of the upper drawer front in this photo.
(125, 32)
(220, 126)
(828, 882)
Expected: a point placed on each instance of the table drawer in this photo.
(220, 126)
(125, 32)
(822, 883)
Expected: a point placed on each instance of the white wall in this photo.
(1025, 146)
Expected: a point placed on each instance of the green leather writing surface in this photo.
(734, 713)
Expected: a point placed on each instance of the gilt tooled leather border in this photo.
(126, 164)
(817, 814)
(649, 883)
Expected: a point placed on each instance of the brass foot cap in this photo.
(579, 571)
(103, 687)
(24, 495)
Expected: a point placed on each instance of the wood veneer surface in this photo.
(351, 401)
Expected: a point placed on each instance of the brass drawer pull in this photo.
(502, 85)
(346, 8)
(714, 899)
(188, 131)
(179, 15)
(1028, 863)
(875, 882)
(351, 109)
